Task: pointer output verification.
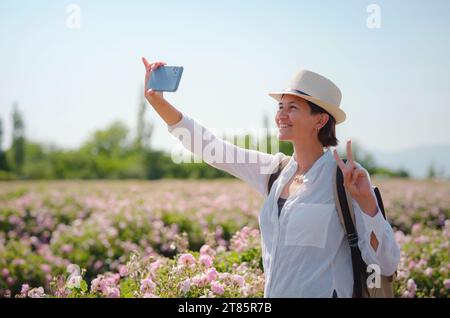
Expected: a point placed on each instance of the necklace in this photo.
(299, 178)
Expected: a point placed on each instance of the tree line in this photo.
(117, 152)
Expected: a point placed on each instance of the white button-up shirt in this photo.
(305, 251)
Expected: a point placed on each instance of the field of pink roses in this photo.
(174, 238)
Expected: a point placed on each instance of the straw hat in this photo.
(316, 89)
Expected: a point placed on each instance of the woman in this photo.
(305, 251)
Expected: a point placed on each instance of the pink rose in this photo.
(123, 271)
(185, 286)
(147, 286)
(155, 265)
(447, 283)
(5, 272)
(217, 288)
(113, 292)
(200, 280)
(46, 268)
(36, 293)
(186, 259)
(411, 286)
(416, 228)
(238, 279)
(96, 284)
(204, 249)
(25, 289)
(211, 274)
(206, 260)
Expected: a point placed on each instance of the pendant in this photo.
(299, 179)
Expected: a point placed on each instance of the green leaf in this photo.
(83, 286)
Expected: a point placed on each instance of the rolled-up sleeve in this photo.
(387, 254)
(251, 166)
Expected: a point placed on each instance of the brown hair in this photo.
(327, 134)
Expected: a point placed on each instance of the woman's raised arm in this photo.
(251, 166)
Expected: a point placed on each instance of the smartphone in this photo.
(165, 78)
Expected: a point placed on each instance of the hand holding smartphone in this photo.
(168, 112)
(165, 78)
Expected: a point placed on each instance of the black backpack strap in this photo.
(380, 201)
(352, 236)
(274, 176)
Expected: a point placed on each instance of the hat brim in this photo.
(338, 114)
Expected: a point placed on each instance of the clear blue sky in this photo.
(395, 80)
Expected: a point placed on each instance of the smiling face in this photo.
(295, 121)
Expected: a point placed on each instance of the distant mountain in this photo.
(417, 160)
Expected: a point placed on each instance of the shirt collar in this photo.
(315, 168)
